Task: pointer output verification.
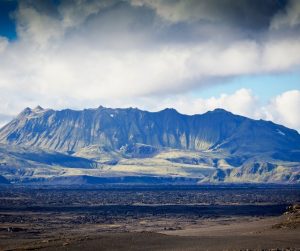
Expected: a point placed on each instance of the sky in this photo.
(191, 55)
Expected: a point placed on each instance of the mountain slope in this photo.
(70, 131)
(106, 145)
(11, 156)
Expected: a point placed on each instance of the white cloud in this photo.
(75, 13)
(212, 11)
(178, 11)
(3, 43)
(71, 69)
(62, 56)
(281, 54)
(35, 27)
(242, 102)
(89, 53)
(284, 109)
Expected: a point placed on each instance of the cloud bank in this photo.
(281, 109)
(118, 52)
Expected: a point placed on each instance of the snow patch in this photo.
(280, 132)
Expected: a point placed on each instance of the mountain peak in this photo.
(220, 110)
(38, 109)
(26, 111)
(166, 128)
(169, 110)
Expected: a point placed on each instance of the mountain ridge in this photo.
(117, 127)
(217, 146)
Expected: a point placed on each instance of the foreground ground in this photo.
(149, 219)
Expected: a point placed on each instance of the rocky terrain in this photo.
(143, 218)
(291, 218)
(97, 145)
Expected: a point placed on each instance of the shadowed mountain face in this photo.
(70, 130)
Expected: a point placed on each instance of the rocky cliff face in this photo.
(218, 146)
(70, 130)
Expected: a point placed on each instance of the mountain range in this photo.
(41, 145)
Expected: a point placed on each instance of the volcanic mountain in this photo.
(217, 139)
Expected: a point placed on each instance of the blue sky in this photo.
(7, 28)
(193, 55)
(264, 86)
